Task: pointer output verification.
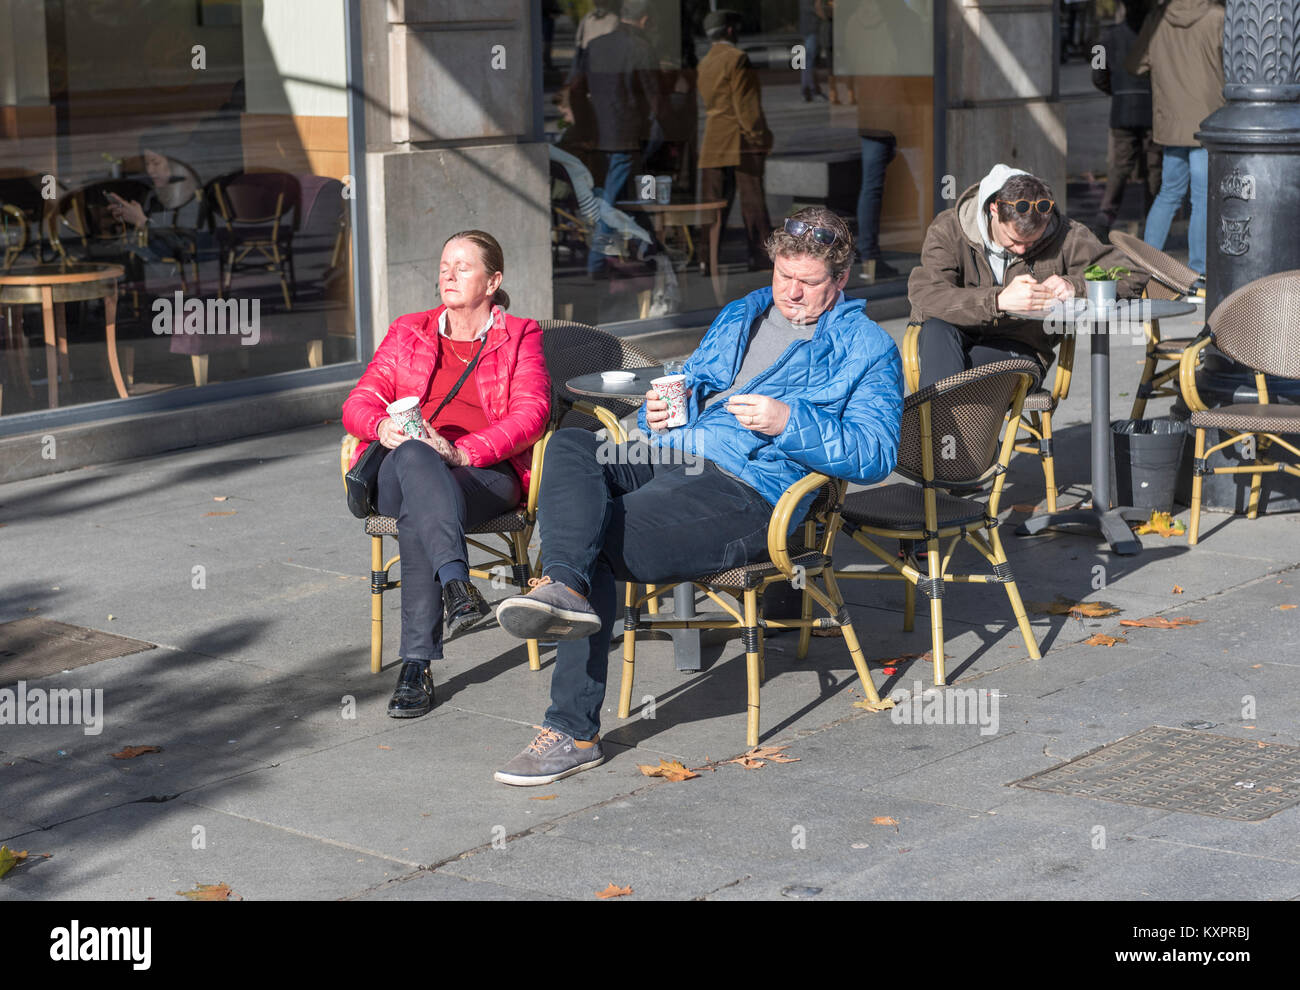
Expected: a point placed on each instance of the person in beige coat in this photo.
(1181, 47)
(736, 137)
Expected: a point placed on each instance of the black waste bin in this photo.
(1147, 458)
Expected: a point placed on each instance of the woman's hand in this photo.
(450, 453)
(126, 211)
(760, 413)
(390, 434)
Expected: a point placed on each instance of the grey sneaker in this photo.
(548, 611)
(548, 758)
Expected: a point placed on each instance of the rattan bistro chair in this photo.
(1258, 326)
(1170, 279)
(799, 559)
(1040, 404)
(969, 408)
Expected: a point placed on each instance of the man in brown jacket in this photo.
(1005, 247)
(1181, 46)
(736, 136)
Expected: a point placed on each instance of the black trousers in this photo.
(610, 513)
(434, 504)
(944, 349)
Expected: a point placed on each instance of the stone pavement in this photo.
(263, 784)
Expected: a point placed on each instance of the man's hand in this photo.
(390, 433)
(1061, 287)
(760, 413)
(1024, 294)
(656, 411)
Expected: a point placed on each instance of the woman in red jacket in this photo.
(474, 464)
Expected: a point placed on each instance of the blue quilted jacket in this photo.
(844, 388)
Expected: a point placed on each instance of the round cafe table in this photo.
(686, 642)
(54, 285)
(1078, 316)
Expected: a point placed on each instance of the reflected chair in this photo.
(22, 207)
(1040, 404)
(1257, 326)
(256, 211)
(801, 559)
(968, 409)
(1170, 279)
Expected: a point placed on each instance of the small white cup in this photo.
(672, 389)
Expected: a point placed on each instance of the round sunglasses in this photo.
(822, 235)
(1022, 206)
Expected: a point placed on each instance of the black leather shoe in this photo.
(413, 696)
(462, 606)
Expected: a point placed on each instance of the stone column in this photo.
(1254, 148)
(1001, 104)
(453, 141)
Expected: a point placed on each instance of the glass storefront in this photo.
(172, 195)
(666, 171)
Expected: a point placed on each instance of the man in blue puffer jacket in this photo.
(788, 380)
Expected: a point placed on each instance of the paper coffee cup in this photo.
(672, 389)
(406, 411)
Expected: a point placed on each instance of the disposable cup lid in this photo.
(668, 380)
(404, 404)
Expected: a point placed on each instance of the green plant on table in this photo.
(1095, 273)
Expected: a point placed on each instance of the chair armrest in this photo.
(535, 472)
(779, 526)
(607, 419)
(346, 450)
(912, 357)
(1187, 375)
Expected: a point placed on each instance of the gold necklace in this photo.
(462, 360)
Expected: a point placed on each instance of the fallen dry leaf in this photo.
(612, 891)
(220, 498)
(1178, 589)
(884, 820)
(1163, 524)
(542, 797)
(385, 747)
(1273, 790)
(131, 752)
(1255, 666)
(748, 762)
(875, 706)
(1099, 639)
(668, 769)
(9, 859)
(1286, 606)
(773, 753)
(1024, 507)
(1159, 622)
(1077, 610)
(229, 512)
(210, 892)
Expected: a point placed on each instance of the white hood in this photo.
(989, 186)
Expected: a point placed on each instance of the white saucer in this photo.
(617, 377)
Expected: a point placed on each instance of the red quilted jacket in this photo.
(512, 384)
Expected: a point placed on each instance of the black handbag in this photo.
(362, 481)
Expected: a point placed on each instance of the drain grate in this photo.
(32, 648)
(1180, 770)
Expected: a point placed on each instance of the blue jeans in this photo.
(1182, 165)
(808, 74)
(876, 155)
(630, 520)
(617, 172)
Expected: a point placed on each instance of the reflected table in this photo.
(1078, 316)
(55, 285)
(686, 642)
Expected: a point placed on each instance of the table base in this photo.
(1109, 522)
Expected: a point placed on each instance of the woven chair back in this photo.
(1258, 325)
(1167, 271)
(967, 411)
(574, 349)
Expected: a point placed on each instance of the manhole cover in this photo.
(1179, 770)
(32, 648)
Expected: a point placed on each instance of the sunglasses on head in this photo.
(1022, 206)
(822, 235)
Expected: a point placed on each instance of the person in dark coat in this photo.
(1131, 150)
